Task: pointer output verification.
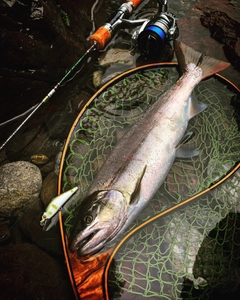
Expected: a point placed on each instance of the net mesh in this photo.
(194, 251)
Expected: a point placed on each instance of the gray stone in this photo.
(20, 185)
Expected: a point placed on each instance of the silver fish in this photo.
(141, 160)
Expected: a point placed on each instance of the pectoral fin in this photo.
(183, 150)
(136, 192)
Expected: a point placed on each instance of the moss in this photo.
(65, 18)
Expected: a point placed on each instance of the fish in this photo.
(50, 216)
(142, 158)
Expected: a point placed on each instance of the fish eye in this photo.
(88, 219)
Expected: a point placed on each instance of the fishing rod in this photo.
(98, 41)
(161, 30)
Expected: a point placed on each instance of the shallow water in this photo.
(39, 141)
(174, 255)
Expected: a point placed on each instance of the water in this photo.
(37, 139)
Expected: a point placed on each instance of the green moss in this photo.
(65, 18)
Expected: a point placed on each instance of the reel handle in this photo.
(103, 35)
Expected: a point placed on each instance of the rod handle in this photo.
(102, 36)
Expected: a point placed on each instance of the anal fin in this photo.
(195, 107)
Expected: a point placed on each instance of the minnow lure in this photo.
(50, 217)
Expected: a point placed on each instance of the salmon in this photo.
(142, 158)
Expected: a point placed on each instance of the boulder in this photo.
(29, 273)
(20, 185)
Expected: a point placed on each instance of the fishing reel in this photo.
(155, 33)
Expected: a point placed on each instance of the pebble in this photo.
(39, 159)
(49, 188)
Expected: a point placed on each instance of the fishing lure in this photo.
(50, 216)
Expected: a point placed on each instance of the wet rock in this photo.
(20, 185)
(97, 78)
(22, 143)
(100, 79)
(213, 263)
(30, 142)
(78, 102)
(30, 228)
(115, 61)
(26, 269)
(4, 233)
(57, 162)
(226, 31)
(49, 188)
(47, 168)
(59, 124)
(115, 55)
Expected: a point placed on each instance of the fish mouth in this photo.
(80, 244)
(89, 243)
(92, 240)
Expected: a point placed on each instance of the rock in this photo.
(49, 188)
(78, 102)
(115, 55)
(97, 78)
(29, 273)
(30, 227)
(45, 169)
(214, 264)
(224, 30)
(30, 142)
(57, 162)
(20, 185)
(59, 123)
(39, 159)
(4, 234)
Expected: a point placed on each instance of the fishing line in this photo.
(72, 76)
(98, 41)
(92, 18)
(18, 116)
(14, 224)
(51, 93)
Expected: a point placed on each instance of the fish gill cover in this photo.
(194, 250)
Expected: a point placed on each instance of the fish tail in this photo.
(186, 55)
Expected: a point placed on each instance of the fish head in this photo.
(100, 217)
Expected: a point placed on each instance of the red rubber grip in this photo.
(135, 2)
(101, 36)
